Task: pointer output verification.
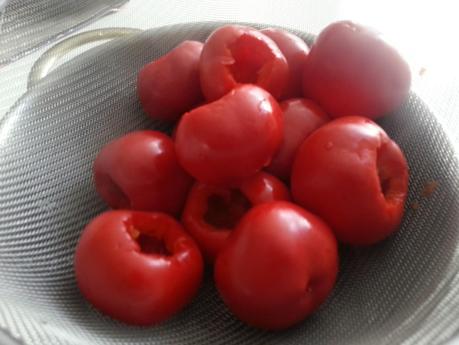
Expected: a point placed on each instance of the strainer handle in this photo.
(48, 60)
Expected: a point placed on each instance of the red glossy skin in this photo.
(301, 118)
(234, 55)
(295, 51)
(139, 268)
(350, 173)
(226, 141)
(140, 171)
(211, 213)
(279, 266)
(170, 86)
(350, 70)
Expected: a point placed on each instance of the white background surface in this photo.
(426, 32)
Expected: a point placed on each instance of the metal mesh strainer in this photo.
(27, 24)
(404, 290)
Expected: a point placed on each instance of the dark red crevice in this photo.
(225, 212)
(250, 56)
(149, 244)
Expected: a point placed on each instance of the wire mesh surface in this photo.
(26, 24)
(402, 291)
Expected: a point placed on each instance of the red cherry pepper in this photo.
(137, 267)
(211, 213)
(351, 174)
(231, 139)
(140, 171)
(301, 118)
(279, 266)
(296, 52)
(170, 86)
(235, 54)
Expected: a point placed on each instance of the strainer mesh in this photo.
(27, 24)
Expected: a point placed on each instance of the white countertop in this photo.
(424, 31)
